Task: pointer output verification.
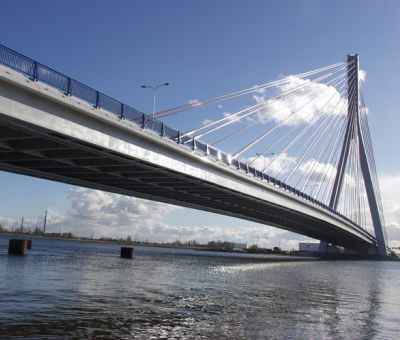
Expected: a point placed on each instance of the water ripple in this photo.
(83, 290)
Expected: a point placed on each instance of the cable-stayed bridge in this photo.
(294, 153)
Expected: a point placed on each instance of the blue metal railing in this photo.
(71, 87)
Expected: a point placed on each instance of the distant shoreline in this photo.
(133, 244)
(270, 257)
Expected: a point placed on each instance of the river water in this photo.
(70, 289)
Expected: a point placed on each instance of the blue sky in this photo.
(203, 48)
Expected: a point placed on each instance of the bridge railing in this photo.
(71, 87)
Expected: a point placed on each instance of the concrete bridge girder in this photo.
(93, 144)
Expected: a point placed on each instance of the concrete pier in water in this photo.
(126, 252)
(18, 247)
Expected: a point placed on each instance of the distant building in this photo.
(239, 246)
(277, 250)
(308, 247)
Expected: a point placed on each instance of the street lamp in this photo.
(154, 88)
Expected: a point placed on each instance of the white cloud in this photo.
(206, 121)
(229, 116)
(275, 164)
(29, 223)
(299, 106)
(282, 164)
(362, 75)
(106, 214)
(261, 90)
(390, 189)
(111, 215)
(8, 222)
(194, 102)
(318, 170)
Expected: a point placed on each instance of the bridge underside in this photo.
(31, 150)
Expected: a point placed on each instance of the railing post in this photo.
(35, 71)
(122, 111)
(69, 89)
(162, 134)
(194, 144)
(143, 121)
(179, 137)
(97, 99)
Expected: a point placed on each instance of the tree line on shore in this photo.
(215, 245)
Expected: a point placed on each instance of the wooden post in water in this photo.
(126, 252)
(17, 247)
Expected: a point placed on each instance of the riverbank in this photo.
(264, 256)
(202, 250)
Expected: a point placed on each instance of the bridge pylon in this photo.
(354, 132)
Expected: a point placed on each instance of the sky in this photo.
(203, 48)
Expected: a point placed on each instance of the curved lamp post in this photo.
(154, 88)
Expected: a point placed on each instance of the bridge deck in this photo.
(46, 134)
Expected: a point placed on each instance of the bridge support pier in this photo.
(323, 247)
(326, 248)
(17, 247)
(126, 252)
(375, 251)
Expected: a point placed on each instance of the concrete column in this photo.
(126, 252)
(17, 247)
